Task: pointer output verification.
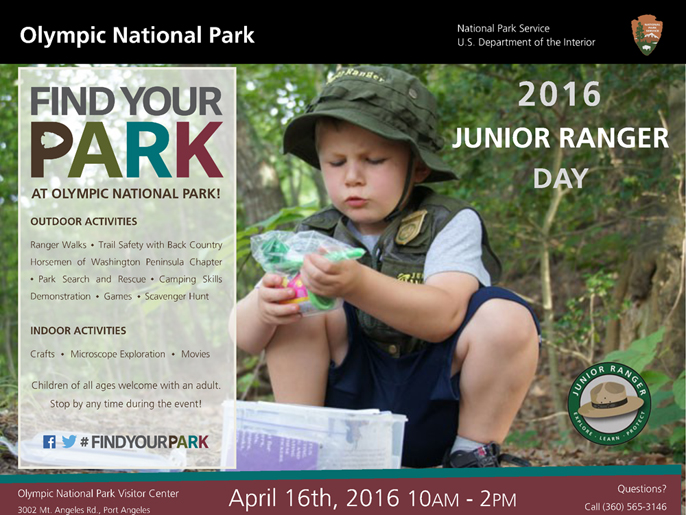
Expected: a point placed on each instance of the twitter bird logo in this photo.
(68, 442)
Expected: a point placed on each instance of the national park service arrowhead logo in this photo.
(647, 32)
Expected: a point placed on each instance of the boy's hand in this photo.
(269, 295)
(329, 278)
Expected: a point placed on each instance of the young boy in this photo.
(422, 332)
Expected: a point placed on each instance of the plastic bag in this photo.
(282, 253)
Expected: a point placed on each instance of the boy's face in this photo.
(364, 173)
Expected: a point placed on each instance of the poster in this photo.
(597, 249)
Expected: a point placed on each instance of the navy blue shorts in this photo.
(417, 385)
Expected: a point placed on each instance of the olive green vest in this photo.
(400, 253)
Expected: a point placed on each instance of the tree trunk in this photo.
(259, 191)
(547, 298)
(652, 282)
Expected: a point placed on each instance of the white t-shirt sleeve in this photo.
(457, 248)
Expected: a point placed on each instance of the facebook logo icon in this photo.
(49, 441)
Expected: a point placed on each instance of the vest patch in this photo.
(410, 227)
(413, 277)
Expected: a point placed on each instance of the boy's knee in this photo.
(317, 334)
(512, 320)
(506, 327)
(337, 335)
(298, 361)
(308, 331)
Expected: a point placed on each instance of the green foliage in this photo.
(586, 316)
(529, 439)
(680, 391)
(8, 386)
(269, 95)
(8, 227)
(500, 181)
(640, 353)
(666, 423)
(8, 393)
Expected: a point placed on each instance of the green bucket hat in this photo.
(385, 101)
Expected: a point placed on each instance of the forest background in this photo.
(603, 266)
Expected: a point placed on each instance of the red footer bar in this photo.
(191, 493)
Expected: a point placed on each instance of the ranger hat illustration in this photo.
(609, 400)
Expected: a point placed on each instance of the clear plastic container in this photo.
(272, 436)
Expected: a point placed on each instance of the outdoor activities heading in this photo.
(124, 35)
